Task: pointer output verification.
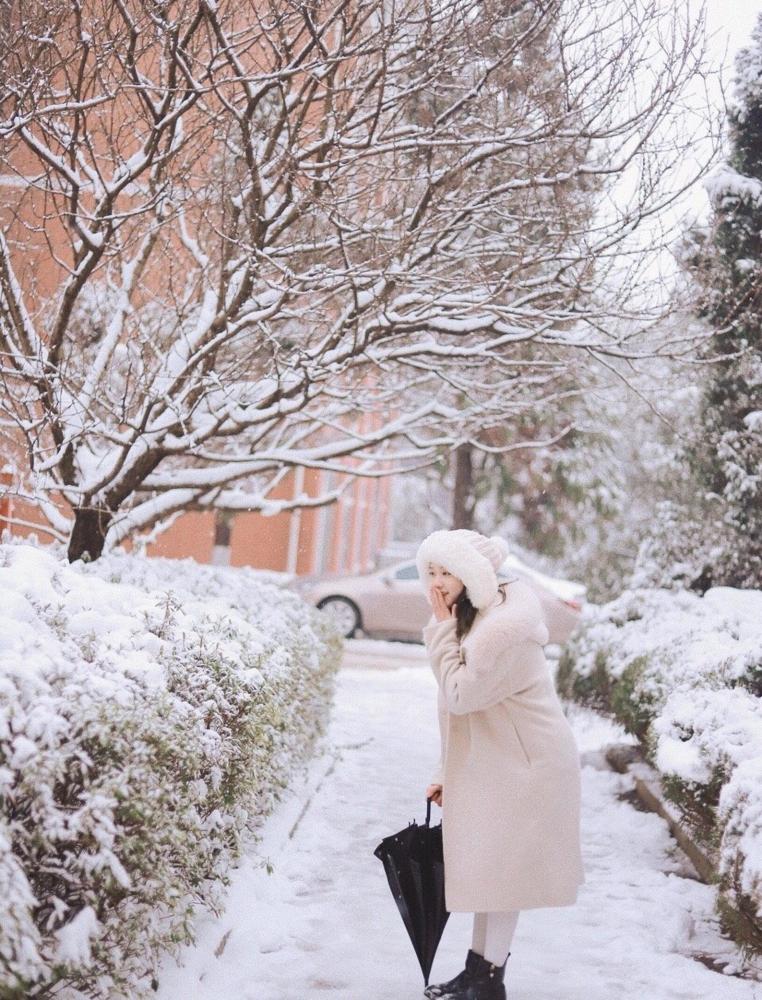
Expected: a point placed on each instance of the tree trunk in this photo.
(463, 500)
(88, 536)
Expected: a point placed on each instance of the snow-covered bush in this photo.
(684, 673)
(150, 712)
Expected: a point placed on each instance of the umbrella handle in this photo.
(428, 810)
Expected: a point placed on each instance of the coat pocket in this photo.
(520, 744)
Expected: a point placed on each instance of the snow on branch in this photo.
(262, 236)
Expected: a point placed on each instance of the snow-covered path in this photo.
(324, 925)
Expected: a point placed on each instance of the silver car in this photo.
(391, 603)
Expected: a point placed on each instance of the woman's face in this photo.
(450, 586)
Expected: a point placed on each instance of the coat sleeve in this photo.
(502, 662)
(438, 776)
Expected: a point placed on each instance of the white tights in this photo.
(493, 934)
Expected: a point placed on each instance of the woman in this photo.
(508, 779)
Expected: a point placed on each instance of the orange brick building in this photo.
(345, 536)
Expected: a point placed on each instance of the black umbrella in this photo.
(414, 868)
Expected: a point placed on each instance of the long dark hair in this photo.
(466, 613)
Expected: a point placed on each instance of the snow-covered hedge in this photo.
(150, 712)
(684, 673)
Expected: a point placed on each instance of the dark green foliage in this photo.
(697, 803)
(726, 453)
(738, 916)
(593, 690)
(622, 697)
(634, 707)
(752, 679)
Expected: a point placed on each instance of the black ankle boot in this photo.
(480, 980)
(486, 980)
(454, 987)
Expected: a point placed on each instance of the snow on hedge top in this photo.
(726, 186)
(707, 721)
(51, 613)
(718, 635)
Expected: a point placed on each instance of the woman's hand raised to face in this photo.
(439, 606)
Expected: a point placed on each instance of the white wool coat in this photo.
(509, 763)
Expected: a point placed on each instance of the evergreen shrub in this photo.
(151, 713)
(681, 672)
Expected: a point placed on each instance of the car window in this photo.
(407, 572)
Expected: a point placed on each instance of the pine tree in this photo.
(727, 452)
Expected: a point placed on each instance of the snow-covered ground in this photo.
(382, 655)
(323, 923)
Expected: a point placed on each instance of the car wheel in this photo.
(345, 614)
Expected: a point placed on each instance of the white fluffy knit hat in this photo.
(472, 557)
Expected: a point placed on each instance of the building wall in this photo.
(6, 503)
(266, 542)
(342, 537)
(191, 535)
